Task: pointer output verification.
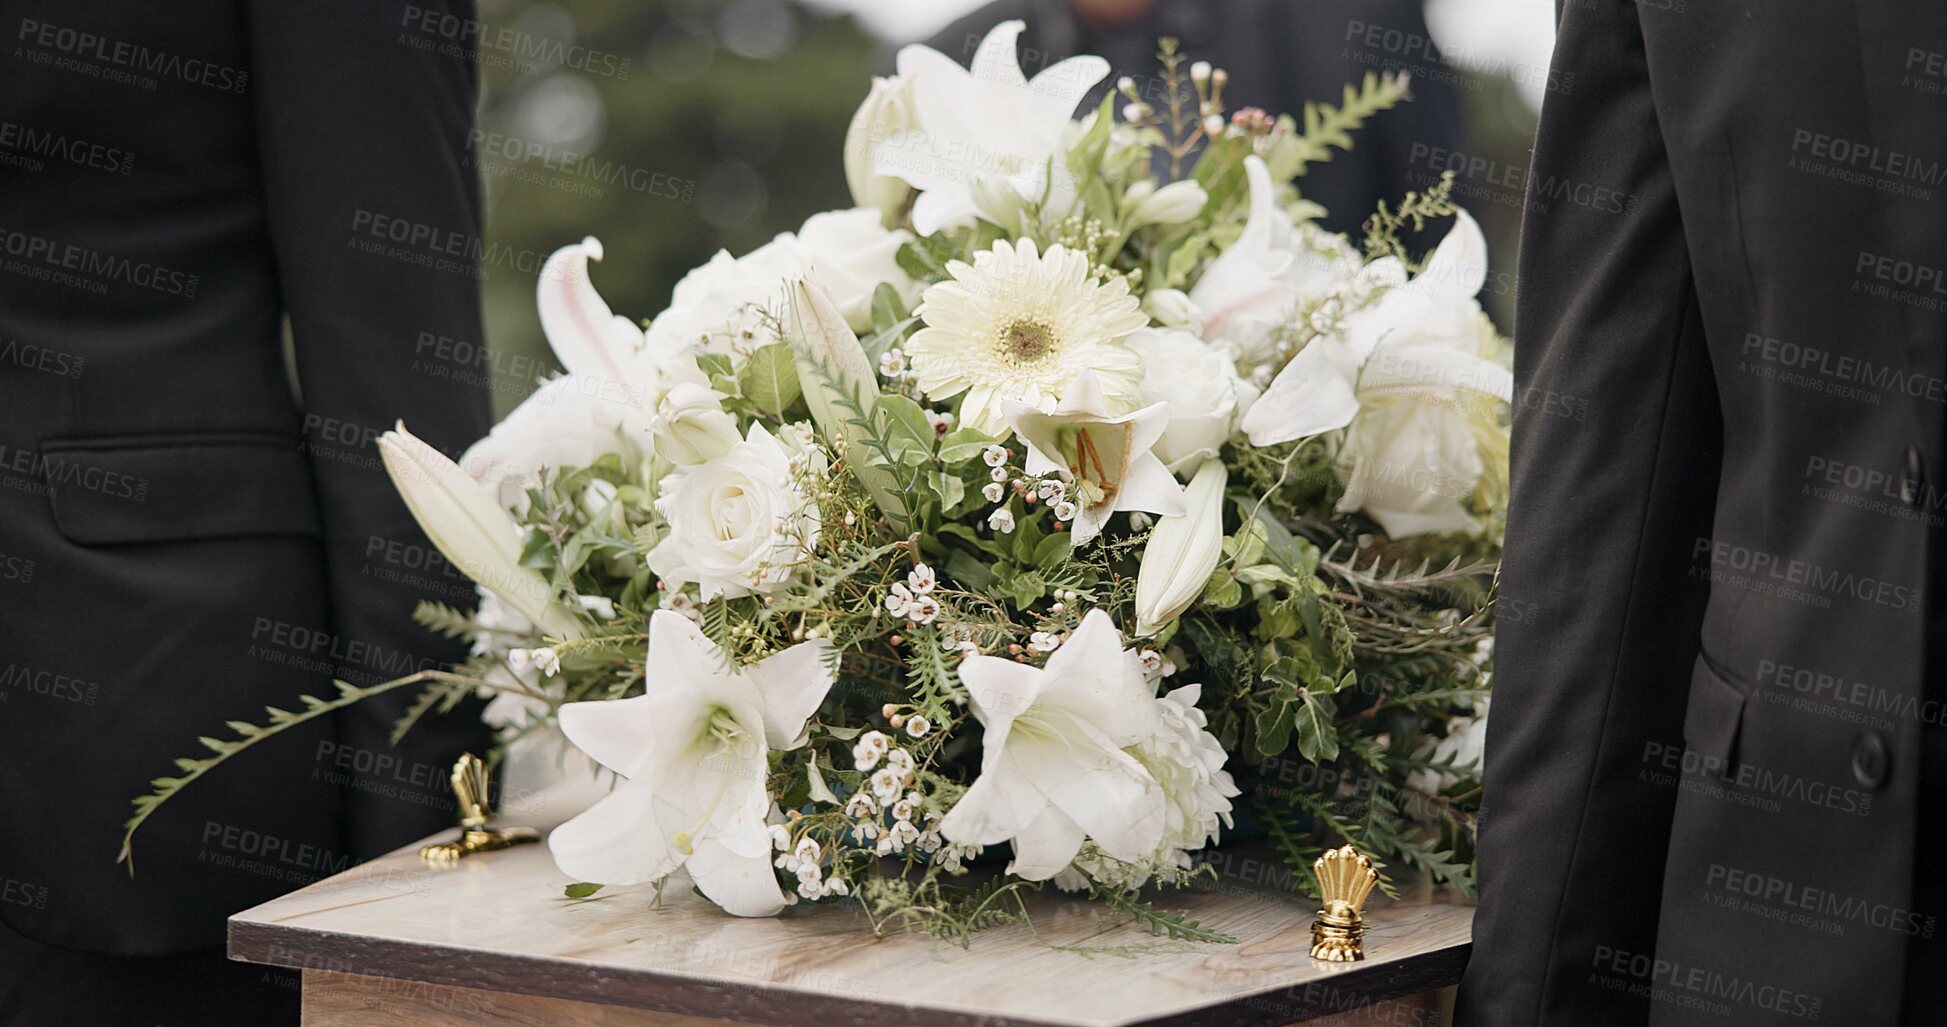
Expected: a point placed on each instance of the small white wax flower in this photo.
(995, 456)
(941, 422)
(902, 810)
(1051, 490)
(892, 363)
(886, 783)
(1200, 71)
(900, 762)
(861, 805)
(923, 610)
(1065, 511)
(547, 661)
(1044, 642)
(600, 606)
(1213, 125)
(899, 600)
(921, 579)
(917, 726)
(808, 850)
(837, 886)
(1001, 520)
(902, 834)
(519, 659)
(780, 837)
(870, 749)
(810, 889)
(998, 474)
(994, 491)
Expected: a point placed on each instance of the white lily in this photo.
(1428, 328)
(692, 751)
(1053, 771)
(1182, 552)
(1109, 457)
(985, 125)
(602, 405)
(475, 533)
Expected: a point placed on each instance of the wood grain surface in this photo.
(498, 923)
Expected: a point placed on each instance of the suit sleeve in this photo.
(363, 111)
(1617, 436)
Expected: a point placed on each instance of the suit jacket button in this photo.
(1869, 762)
(1910, 485)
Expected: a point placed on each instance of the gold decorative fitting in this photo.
(470, 784)
(1345, 878)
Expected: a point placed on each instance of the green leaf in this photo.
(888, 309)
(1317, 741)
(580, 890)
(963, 444)
(769, 379)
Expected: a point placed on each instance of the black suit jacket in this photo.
(1712, 661)
(1279, 55)
(188, 533)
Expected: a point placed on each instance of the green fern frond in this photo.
(1178, 926)
(1327, 127)
(248, 735)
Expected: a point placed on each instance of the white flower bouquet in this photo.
(1074, 499)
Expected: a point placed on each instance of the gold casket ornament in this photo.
(470, 785)
(1345, 879)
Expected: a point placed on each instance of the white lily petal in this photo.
(742, 884)
(1099, 786)
(586, 336)
(792, 684)
(616, 841)
(611, 731)
(1046, 846)
(999, 689)
(471, 528)
(1312, 395)
(1149, 486)
(998, 806)
(1093, 679)
(995, 59)
(1458, 266)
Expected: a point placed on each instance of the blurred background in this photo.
(674, 128)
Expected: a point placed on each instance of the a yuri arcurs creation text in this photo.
(1073, 499)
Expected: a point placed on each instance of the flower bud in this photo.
(884, 117)
(1182, 552)
(691, 427)
(1173, 204)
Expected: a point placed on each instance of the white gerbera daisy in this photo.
(1020, 325)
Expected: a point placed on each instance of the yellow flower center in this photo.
(1025, 341)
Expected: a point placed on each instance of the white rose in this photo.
(1201, 386)
(728, 305)
(848, 253)
(691, 427)
(570, 421)
(738, 524)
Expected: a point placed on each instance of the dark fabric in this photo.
(1279, 55)
(1703, 758)
(187, 535)
(44, 986)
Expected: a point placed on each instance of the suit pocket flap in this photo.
(162, 488)
(1714, 714)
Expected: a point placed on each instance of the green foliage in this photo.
(580, 890)
(1175, 925)
(1327, 127)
